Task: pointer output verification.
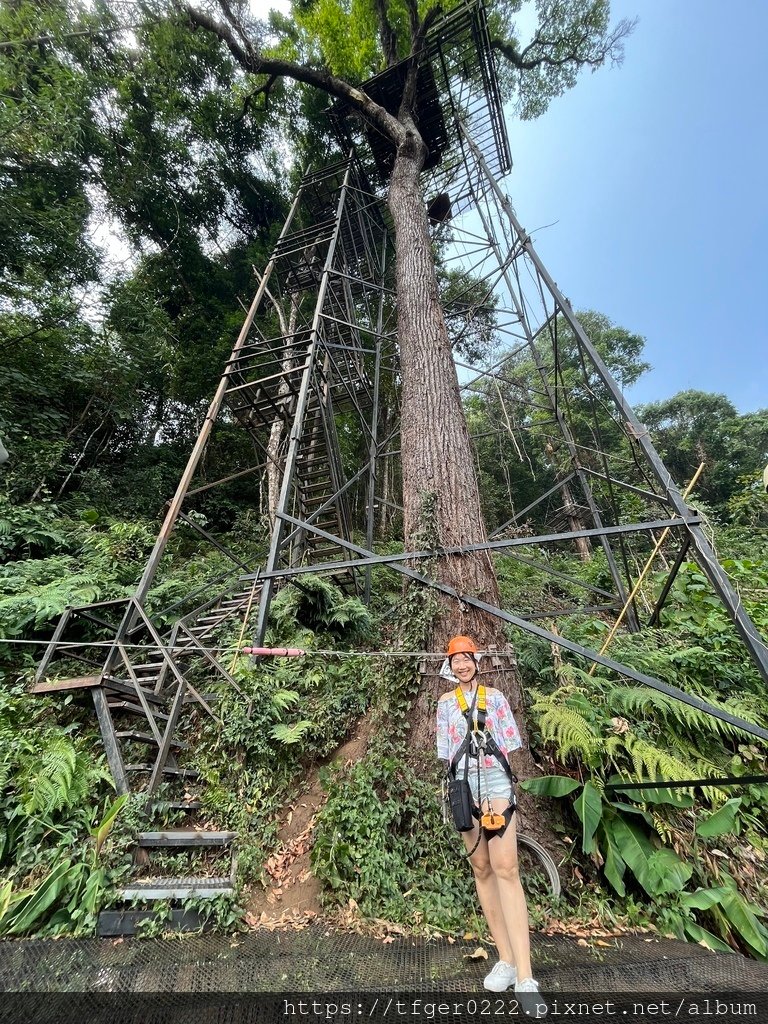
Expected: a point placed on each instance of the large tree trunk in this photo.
(437, 461)
(436, 455)
(438, 467)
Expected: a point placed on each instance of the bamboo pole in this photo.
(641, 577)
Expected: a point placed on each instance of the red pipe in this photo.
(276, 652)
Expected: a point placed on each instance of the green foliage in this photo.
(316, 604)
(381, 841)
(694, 427)
(621, 838)
(295, 710)
(56, 856)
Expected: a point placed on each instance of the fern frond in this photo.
(51, 779)
(291, 733)
(569, 730)
(652, 762)
(282, 699)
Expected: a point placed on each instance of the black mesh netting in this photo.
(208, 977)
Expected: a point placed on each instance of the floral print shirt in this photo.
(452, 726)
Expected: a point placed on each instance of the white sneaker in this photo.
(530, 1001)
(500, 977)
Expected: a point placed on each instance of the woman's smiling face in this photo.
(463, 667)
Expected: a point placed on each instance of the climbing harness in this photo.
(477, 744)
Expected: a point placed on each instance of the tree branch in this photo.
(553, 53)
(254, 63)
(419, 32)
(387, 35)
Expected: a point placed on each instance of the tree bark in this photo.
(437, 460)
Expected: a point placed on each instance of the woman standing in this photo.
(476, 731)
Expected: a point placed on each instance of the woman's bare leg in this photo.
(488, 894)
(502, 855)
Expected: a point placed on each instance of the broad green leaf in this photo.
(720, 821)
(703, 899)
(614, 866)
(550, 785)
(744, 922)
(589, 807)
(26, 913)
(631, 809)
(698, 934)
(666, 872)
(634, 847)
(103, 829)
(5, 898)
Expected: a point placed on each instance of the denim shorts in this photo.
(494, 782)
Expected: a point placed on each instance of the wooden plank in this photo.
(114, 685)
(54, 686)
(147, 737)
(109, 736)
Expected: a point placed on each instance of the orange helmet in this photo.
(461, 645)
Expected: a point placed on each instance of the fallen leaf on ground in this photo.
(478, 954)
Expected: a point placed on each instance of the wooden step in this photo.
(62, 685)
(145, 737)
(136, 709)
(186, 837)
(112, 683)
(175, 805)
(171, 888)
(181, 773)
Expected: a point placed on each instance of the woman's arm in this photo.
(443, 751)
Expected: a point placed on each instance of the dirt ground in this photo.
(292, 895)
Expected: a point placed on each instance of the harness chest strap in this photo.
(477, 726)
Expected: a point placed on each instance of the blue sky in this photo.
(655, 176)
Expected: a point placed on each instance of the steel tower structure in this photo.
(317, 354)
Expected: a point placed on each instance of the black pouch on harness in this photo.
(460, 802)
